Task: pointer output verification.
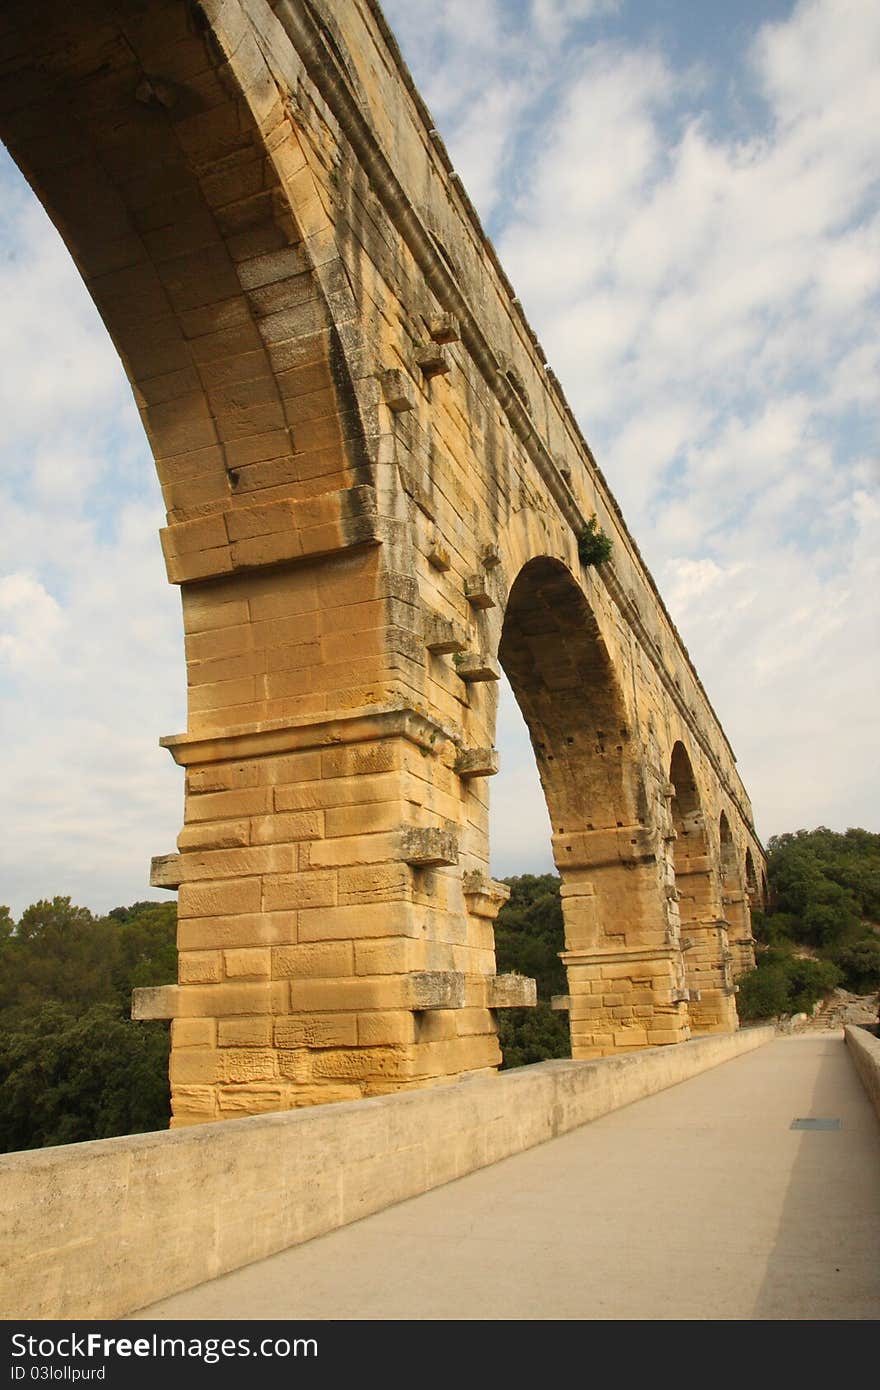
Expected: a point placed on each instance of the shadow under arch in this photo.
(735, 904)
(704, 937)
(623, 966)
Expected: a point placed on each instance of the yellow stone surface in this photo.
(366, 527)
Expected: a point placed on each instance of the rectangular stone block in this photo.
(386, 1028)
(194, 1065)
(193, 1032)
(301, 890)
(200, 967)
(317, 1030)
(155, 1001)
(351, 923)
(474, 667)
(242, 1032)
(424, 846)
(374, 883)
(166, 871)
(219, 899)
(245, 929)
(510, 991)
(314, 960)
(477, 762)
(246, 1064)
(396, 956)
(248, 964)
(214, 835)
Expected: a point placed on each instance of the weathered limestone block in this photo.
(477, 762)
(398, 391)
(433, 360)
(473, 667)
(154, 1001)
(427, 846)
(443, 635)
(484, 896)
(477, 592)
(511, 992)
(166, 871)
(444, 328)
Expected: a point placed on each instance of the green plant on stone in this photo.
(594, 544)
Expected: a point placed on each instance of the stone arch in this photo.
(735, 904)
(351, 480)
(169, 160)
(751, 878)
(604, 843)
(703, 930)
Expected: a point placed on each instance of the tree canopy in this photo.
(821, 928)
(73, 1066)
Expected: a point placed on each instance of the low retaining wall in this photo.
(97, 1230)
(864, 1048)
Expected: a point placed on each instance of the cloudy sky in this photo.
(685, 196)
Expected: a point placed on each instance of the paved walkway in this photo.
(699, 1202)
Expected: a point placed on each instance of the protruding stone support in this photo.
(477, 592)
(443, 636)
(433, 360)
(484, 896)
(511, 992)
(428, 847)
(155, 1002)
(444, 328)
(398, 391)
(438, 556)
(477, 666)
(165, 872)
(477, 762)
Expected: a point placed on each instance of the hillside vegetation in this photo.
(822, 927)
(72, 1064)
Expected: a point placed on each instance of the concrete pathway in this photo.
(699, 1202)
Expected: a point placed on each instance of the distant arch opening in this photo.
(703, 931)
(563, 680)
(734, 904)
(751, 879)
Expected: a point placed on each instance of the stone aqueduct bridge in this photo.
(374, 489)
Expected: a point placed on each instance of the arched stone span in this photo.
(735, 903)
(624, 970)
(361, 447)
(752, 889)
(704, 936)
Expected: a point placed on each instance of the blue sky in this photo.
(685, 196)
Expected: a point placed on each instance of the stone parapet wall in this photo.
(98, 1230)
(864, 1048)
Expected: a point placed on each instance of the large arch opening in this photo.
(735, 904)
(703, 929)
(170, 164)
(752, 888)
(623, 985)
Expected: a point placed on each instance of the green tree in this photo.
(529, 935)
(73, 1065)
